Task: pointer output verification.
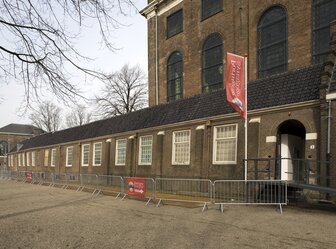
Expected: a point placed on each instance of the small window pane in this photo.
(175, 23)
(211, 7)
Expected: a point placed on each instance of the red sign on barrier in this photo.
(29, 176)
(136, 187)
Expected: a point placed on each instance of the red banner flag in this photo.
(235, 83)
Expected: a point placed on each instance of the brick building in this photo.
(13, 134)
(190, 130)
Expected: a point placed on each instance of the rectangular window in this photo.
(97, 154)
(85, 154)
(53, 158)
(23, 155)
(175, 23)
(225, 144)
(33, 158)
(181, 147)
(120, 152)
(19, 160)
(69, 157)
(211, 7)
(145, 150)
(46, 157)
(28, 159)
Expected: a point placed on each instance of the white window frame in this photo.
(19, 159)
(33, 158)
(174, 143)
(23, 159)
(141, 146)
(117, 154)
(28, 159)
(94, 154)
(215, 139)
(67, 164)
(88, 155)
(53, 158)
(46, 158)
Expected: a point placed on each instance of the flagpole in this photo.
(245, 83)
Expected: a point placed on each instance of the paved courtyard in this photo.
(33, 216)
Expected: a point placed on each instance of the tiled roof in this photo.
(287, 88)
(19, 129)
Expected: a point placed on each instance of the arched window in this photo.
(174, 77)
(272, 42)
(3, 148)
(324, 11)
(212, 63)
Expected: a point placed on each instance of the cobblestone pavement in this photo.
(33, 216)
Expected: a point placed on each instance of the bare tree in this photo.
(124, 91)
(78, 116)
(38, 38)
(47, 117)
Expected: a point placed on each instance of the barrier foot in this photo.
(118, 195)
(280, 208)
(205, 206)
(123, 197)
(99, 191)
(148, 201)
(221, 208)
(160, 201)
(94, 191)
(78, 189)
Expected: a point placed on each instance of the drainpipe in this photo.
(156, 56)
(328, 143)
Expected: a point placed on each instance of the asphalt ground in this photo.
(33, 216)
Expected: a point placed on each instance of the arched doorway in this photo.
(290, 149)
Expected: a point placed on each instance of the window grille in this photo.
(97, 154)
(145, 150)
(69, 156)
(85, 154)
(181, 147)
(175, 77)
(324, 11)
(121, 152)
(211, 7)
(175, 23)
(272, 42)
(212, 64)
(225, 144)
(53, 158)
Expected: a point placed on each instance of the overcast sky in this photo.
(132, 41)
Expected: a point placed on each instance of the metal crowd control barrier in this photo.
(110, 184)
(251, 192)
(88, 181)
(184, 190)
(37, 177)
(147, 191)
(48, 178)
(5, 174)
(61, 180)
(72, 180)
(21, 176)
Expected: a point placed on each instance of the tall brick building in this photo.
(189, 130)
(188, 40)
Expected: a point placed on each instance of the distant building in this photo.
(12, 135)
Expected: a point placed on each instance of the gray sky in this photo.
(132, 41)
